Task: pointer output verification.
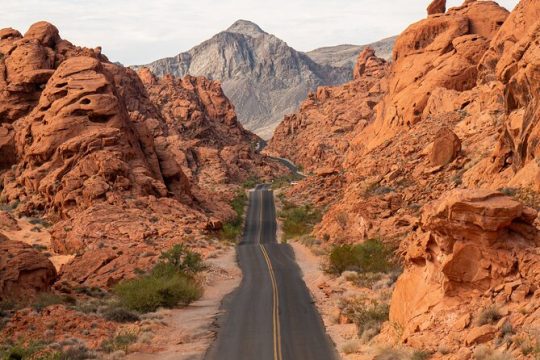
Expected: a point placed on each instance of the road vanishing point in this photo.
(271, 316)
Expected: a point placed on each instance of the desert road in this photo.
(271, 316)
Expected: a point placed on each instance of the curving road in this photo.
(271, 315)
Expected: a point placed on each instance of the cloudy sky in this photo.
(139, 31)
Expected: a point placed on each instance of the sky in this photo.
(140, 31)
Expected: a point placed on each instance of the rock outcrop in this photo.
(437, 7)
(319, 135)
(458, 110)
(123, 170)
(23, 271)
(471, 245)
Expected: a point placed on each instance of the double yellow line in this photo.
(275, 292)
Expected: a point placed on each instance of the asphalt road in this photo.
(271, 316)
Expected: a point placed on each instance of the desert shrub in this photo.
(285, 180)
(489, 315)
(525, 195)
(485, 353)
(251, 182)
(420, 355)
(43, 300)
(171, 283)
(298, 220)
(376, 189)
(119, 342)
(351, 347)
(372, 256)
(391, 354)
(367, 315)
(119, 314)
(232, 229)
(31, 350)
(179, 259)
(148, 293)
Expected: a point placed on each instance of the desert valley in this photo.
(244, 200)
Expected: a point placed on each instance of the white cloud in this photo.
(139, 31)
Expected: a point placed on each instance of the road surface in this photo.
(271, 316)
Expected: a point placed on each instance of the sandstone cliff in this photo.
(456, 120)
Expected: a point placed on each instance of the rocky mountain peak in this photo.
(246, 27)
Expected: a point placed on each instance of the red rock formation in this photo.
(320, 133)
(123, 170)
(23, 270)
(471, 243)
(438, 52)
(58, 324)
(437, 7)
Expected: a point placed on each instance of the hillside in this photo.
(437, 157)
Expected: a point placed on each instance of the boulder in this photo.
(446, 148)
(437, 7)
(468, 241)
(23, 270)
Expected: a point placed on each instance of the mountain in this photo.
(346, 55)
(263, 76)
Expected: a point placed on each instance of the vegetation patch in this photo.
(285, 180)
(527, 196)
(371, 256)
(232, 229)
(44, 300)
(171, 283)
(298, 220)
(120, 342)
(367, 315)
(489, 315)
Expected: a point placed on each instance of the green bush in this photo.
(43, 300)
(171, 283)
(372, 256)
(179, 259)
(148, 293)
(285, 180)
(298, 220)
(32, 350)
(232, 229)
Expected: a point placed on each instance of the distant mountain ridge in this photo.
(263, 76)
(345, 55)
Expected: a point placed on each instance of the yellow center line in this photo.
(275, 293)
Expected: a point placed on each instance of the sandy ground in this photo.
(188, 332)
(37, 236)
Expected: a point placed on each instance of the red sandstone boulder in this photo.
(23, 270)
(437, 7)
(446, 148)
(470, 241)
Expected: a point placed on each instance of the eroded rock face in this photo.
(23, 270)
(123, 170)
(514, 59)
(320, 134)
(470, 241)
(441, 51)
